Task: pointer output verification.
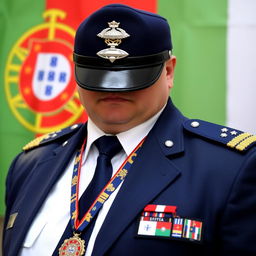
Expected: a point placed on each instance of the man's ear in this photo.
(170, 66)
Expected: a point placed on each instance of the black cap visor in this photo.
(128, 74)
(117, 80)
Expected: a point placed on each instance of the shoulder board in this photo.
(230, 137)
(46, 138)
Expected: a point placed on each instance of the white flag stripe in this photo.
(197, 236)
(241, 65)
(188, 222)
(160, 208)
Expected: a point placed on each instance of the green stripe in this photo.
(199, 33)
(16, 17)
(160, 232)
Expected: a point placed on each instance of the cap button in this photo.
(168, 143)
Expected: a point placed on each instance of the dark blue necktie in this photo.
(108, 147)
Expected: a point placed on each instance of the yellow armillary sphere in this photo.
(39, 80)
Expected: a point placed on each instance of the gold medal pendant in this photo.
(73, 246)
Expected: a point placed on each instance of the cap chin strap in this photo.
(122, 64)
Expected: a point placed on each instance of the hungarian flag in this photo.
(214, 42)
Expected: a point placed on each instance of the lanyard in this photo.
(79, 225)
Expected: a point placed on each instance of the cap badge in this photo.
(113, 36)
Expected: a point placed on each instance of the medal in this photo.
(73, 246)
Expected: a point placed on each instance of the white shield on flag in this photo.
(51, 76)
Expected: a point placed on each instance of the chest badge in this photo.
(163, 221)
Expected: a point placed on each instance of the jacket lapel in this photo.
(42, 180)
(150, 174)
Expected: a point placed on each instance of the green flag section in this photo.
(16, 18)
(199, 34)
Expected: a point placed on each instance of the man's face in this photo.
(115, 112)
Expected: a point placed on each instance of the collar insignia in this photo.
(113, 36)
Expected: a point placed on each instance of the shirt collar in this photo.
(128, 139)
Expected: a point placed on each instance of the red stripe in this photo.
(79, 10)
(170, 208)
(167, 225)
(150, 208)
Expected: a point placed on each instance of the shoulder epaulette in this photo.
(46, 138)
(230, 137)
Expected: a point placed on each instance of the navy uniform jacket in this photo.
(199, 173)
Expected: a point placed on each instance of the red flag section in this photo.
(78, 10)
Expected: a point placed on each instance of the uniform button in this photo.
(74, 126)
(195, 124)
(65, 143)
(169, 143)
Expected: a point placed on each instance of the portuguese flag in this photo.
(214, 42)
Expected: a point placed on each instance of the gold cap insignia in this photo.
(113, 36)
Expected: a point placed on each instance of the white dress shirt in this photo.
(53, 217)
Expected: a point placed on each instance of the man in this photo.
(184, 187)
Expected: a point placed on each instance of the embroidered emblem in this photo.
(122, 174)
(110, 187)
(74, 180)
(88, 217)
(113, 36)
